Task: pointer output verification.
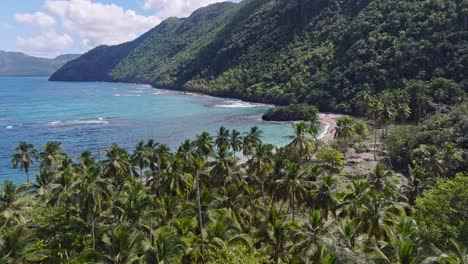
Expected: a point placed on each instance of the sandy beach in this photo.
(329, 122)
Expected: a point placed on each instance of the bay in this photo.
(91, 116)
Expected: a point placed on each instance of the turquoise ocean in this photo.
(91, 116)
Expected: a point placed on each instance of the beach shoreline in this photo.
(329, 122)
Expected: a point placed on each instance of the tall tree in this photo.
(51, 154)
(204, 144)
(223, 137)
(292, 185)
(261, 165)
(140, 157)
(302, 140)
(24, 156)
(117, 164)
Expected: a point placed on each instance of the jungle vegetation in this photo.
(199, 204)
(320, 52)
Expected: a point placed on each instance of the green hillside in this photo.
(319, 52)
(20, 64)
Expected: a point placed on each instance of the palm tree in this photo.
(418, 93)
(348, 231)
(314, 127)
(429, 157)
(322, 197)
(293, 185)
(403, 251)
(374, 111)
(121, 246)
(204, 144)
(403, 111)
(459, 255)
(344, 128)
(200, 168)
(327, 257)
(222, 166)
(167, 247)
(252, 139)
(91, 193)
(25, 156)
(16, 245)
(140, 157)
(356, 194)
(309, 236)
(187, 153)
(117, 164)
(377, 215)
(225, 230)
(261, 165)
(451, 158)
(236, 141)
(273, 235)
(377, 177)
(86, 159)
(388, 115)
(223, 137)
(51, 155)
(179, 181)
(302, 142)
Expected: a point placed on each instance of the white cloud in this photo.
(96, 23)
(40, 19)
(177, 8)
(45, 44)
(4, 25)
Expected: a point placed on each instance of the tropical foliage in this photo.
(200, 204)
(325, 53)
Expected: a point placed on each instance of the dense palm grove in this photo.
(281, 205)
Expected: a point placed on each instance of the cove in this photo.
(91, 116)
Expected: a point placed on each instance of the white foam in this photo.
(131, 95)
(157, 93)
(99, 121)
(136, 91)
(144, 87)
(126, 95)
(85, 122)
(9, 127)
(239, 104)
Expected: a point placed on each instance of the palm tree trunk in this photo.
(93, 231)
(151, 231)
(419, 112)
(200, 220)
(27, 174)
(375, 143)
(292, 205)
(263, 194)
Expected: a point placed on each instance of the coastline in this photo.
(327, 119)
(327, 135)
(329, 122)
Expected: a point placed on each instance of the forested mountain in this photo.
(320, 52)
(20, 64)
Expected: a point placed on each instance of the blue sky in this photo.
(48, 28)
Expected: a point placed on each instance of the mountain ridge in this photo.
(20, 64)
(301, 51)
